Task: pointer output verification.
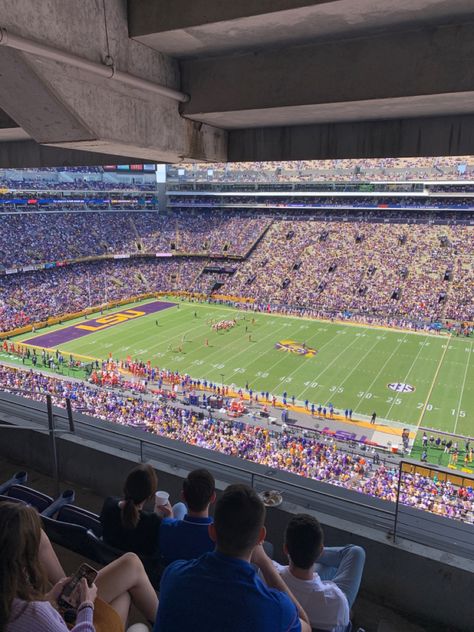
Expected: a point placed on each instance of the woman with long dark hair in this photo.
(27, 606)
(125, 523)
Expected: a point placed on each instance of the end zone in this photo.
(87, 327)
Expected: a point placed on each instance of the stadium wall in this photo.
(424, 583)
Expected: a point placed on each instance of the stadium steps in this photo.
(138, 239)
(259, 239)
(115, 281)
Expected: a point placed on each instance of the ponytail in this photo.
(141, 484)
(130, 514)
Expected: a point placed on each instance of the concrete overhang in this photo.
(412, 73)
(204, 28)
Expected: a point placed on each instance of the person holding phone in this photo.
(25, 603)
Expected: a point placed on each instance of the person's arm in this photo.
(85, 610)
(40, 616)
(273, 580)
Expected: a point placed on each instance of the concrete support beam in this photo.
(431, 136)
(62, 106)
(9, 130)
(30, 154)
(33, 104)
(207, 28)
(418, 73)
(6, 121)
(185, 29)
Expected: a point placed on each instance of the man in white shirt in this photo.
(327, 589)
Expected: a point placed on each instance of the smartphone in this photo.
(67, 599)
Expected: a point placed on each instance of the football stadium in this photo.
(237, 363)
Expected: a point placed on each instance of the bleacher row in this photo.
(376, 169)
(419, 272)
(32, 238)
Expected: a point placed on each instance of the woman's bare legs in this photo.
(49, 560)
(125, 579)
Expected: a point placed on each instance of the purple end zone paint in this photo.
(62, 336)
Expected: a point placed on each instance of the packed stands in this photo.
(28, 238)
(380, 169)
(317, 201)
(421, 271)
(318, 459)
(385, 269)
(37, 295)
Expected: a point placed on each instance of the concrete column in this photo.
(65, 107)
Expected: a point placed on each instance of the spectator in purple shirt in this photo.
(25, 604)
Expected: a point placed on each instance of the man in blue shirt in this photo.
(189, 538)
(221, 591)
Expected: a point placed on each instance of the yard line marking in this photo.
(236, 355)
(427, 400)
(368, 389)
(269, 369)
(300, 366)
(462, 389)
(315, 378)
(355, 367)
(422, 346)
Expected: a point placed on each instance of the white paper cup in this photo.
(161, 498)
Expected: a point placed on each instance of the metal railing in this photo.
(395, 519)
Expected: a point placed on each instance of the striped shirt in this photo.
(40, 616)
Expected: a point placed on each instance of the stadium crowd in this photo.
(304, 456)
(314, 201)
(377, 169)
(28, 238)
(33, 297)
(352, 269)
(371, 268)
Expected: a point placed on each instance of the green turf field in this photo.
(352, 366)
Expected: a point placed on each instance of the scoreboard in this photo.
(146, 168)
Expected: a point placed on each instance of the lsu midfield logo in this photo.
(296, 347)
(401, 387)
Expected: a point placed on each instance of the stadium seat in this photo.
(68, 496)
(80, 531)
(7, 499)
(42, 502)
(71, 536)
(79, 516)
(17, 479)
(30, 496)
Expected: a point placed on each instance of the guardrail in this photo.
(394, 520)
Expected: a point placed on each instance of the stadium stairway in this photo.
(367, 614)
(138, 239)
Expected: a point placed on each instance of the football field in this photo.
(415, 379)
